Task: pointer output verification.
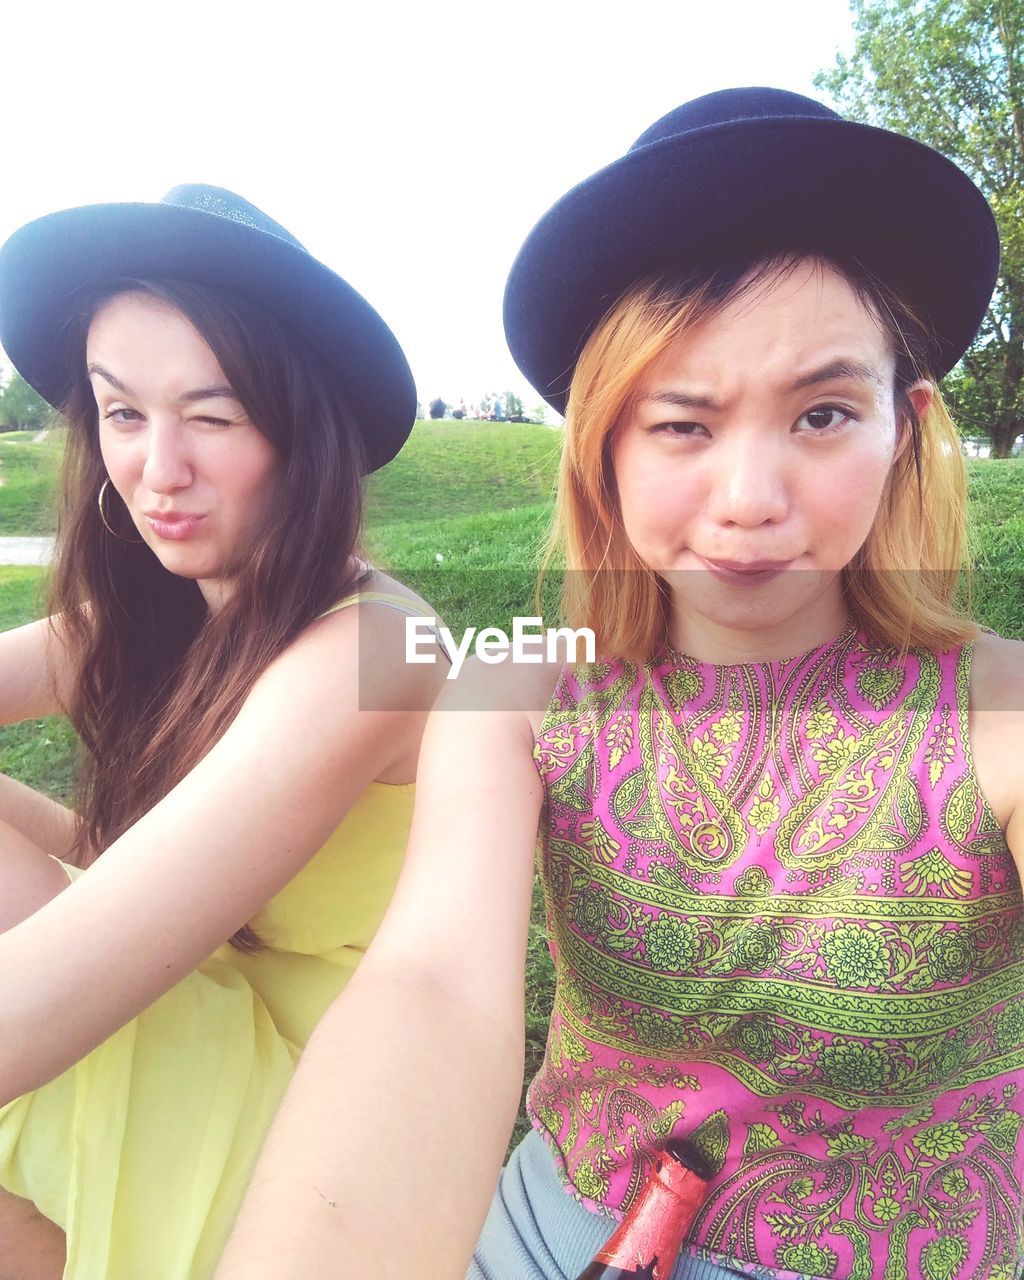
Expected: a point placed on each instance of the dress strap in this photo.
(375, 597)
(390, 601)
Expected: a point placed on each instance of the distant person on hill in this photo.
(220, 646)
(781, 818)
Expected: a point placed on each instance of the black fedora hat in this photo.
(205, 235)
(740, 173)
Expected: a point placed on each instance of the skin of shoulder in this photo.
(997, 732)
(374, 635)
(209, 855)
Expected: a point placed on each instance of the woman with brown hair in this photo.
(780, 818)
(249, 726)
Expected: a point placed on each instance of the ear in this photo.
(920, 396)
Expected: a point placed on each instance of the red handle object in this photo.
(647, 1241)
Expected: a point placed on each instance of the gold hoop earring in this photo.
(103, 516)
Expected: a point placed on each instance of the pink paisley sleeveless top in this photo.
(786, 924)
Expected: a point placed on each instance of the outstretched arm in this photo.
(387, 1149)
(204, 860)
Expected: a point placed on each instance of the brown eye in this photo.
(826, 417)
(678, 428)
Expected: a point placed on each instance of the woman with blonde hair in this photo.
(235, 671)
(780, 818)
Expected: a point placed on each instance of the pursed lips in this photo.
(745, 566)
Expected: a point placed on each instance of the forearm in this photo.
(48, 825)
(28, 878)
(386, 1151)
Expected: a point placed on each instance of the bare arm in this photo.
(35, 671)
(35, 676)
(209, 855)
(387, 1149)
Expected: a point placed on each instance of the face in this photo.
(194, 472)
(752, 464)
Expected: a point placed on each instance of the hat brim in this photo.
(46, 263)
(753, 186)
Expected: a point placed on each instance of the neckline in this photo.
(679, 657)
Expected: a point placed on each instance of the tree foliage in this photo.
(21, 406)
(951, 73)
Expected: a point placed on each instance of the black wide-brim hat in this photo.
(203, 235)
(737, 174)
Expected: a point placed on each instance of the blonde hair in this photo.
(900, 586)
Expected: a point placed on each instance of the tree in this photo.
(438, 408)
(21, 406)
(951, 73)
(513, 407)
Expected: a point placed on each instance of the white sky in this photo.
(410, 146)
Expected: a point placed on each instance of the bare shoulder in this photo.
(350, 671)
(383, 584)
(368, 632)
(997, 675)
(997, 729)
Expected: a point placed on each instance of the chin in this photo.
(183, 565)
(787, 596)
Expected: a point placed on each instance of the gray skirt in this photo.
(535, 1231)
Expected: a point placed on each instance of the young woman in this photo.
(250, 730)
(780, 818)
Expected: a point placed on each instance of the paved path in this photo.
(26, 550)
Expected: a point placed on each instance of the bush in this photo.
(22, 408)
(438, 408)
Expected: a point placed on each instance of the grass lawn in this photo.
(27, 470)
(461, 515)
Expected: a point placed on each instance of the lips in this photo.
(744, 573)
(174, 526)
(747, 566)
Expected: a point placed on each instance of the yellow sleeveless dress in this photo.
(142, 1151)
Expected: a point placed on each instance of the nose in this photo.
(749, 486)
(167, 467)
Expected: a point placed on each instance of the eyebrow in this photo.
(856, 370)
(834, 371)
(187, 397)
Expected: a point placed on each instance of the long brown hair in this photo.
(900, 586)
(159, 676)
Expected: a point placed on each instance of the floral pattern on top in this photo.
(787, 925)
